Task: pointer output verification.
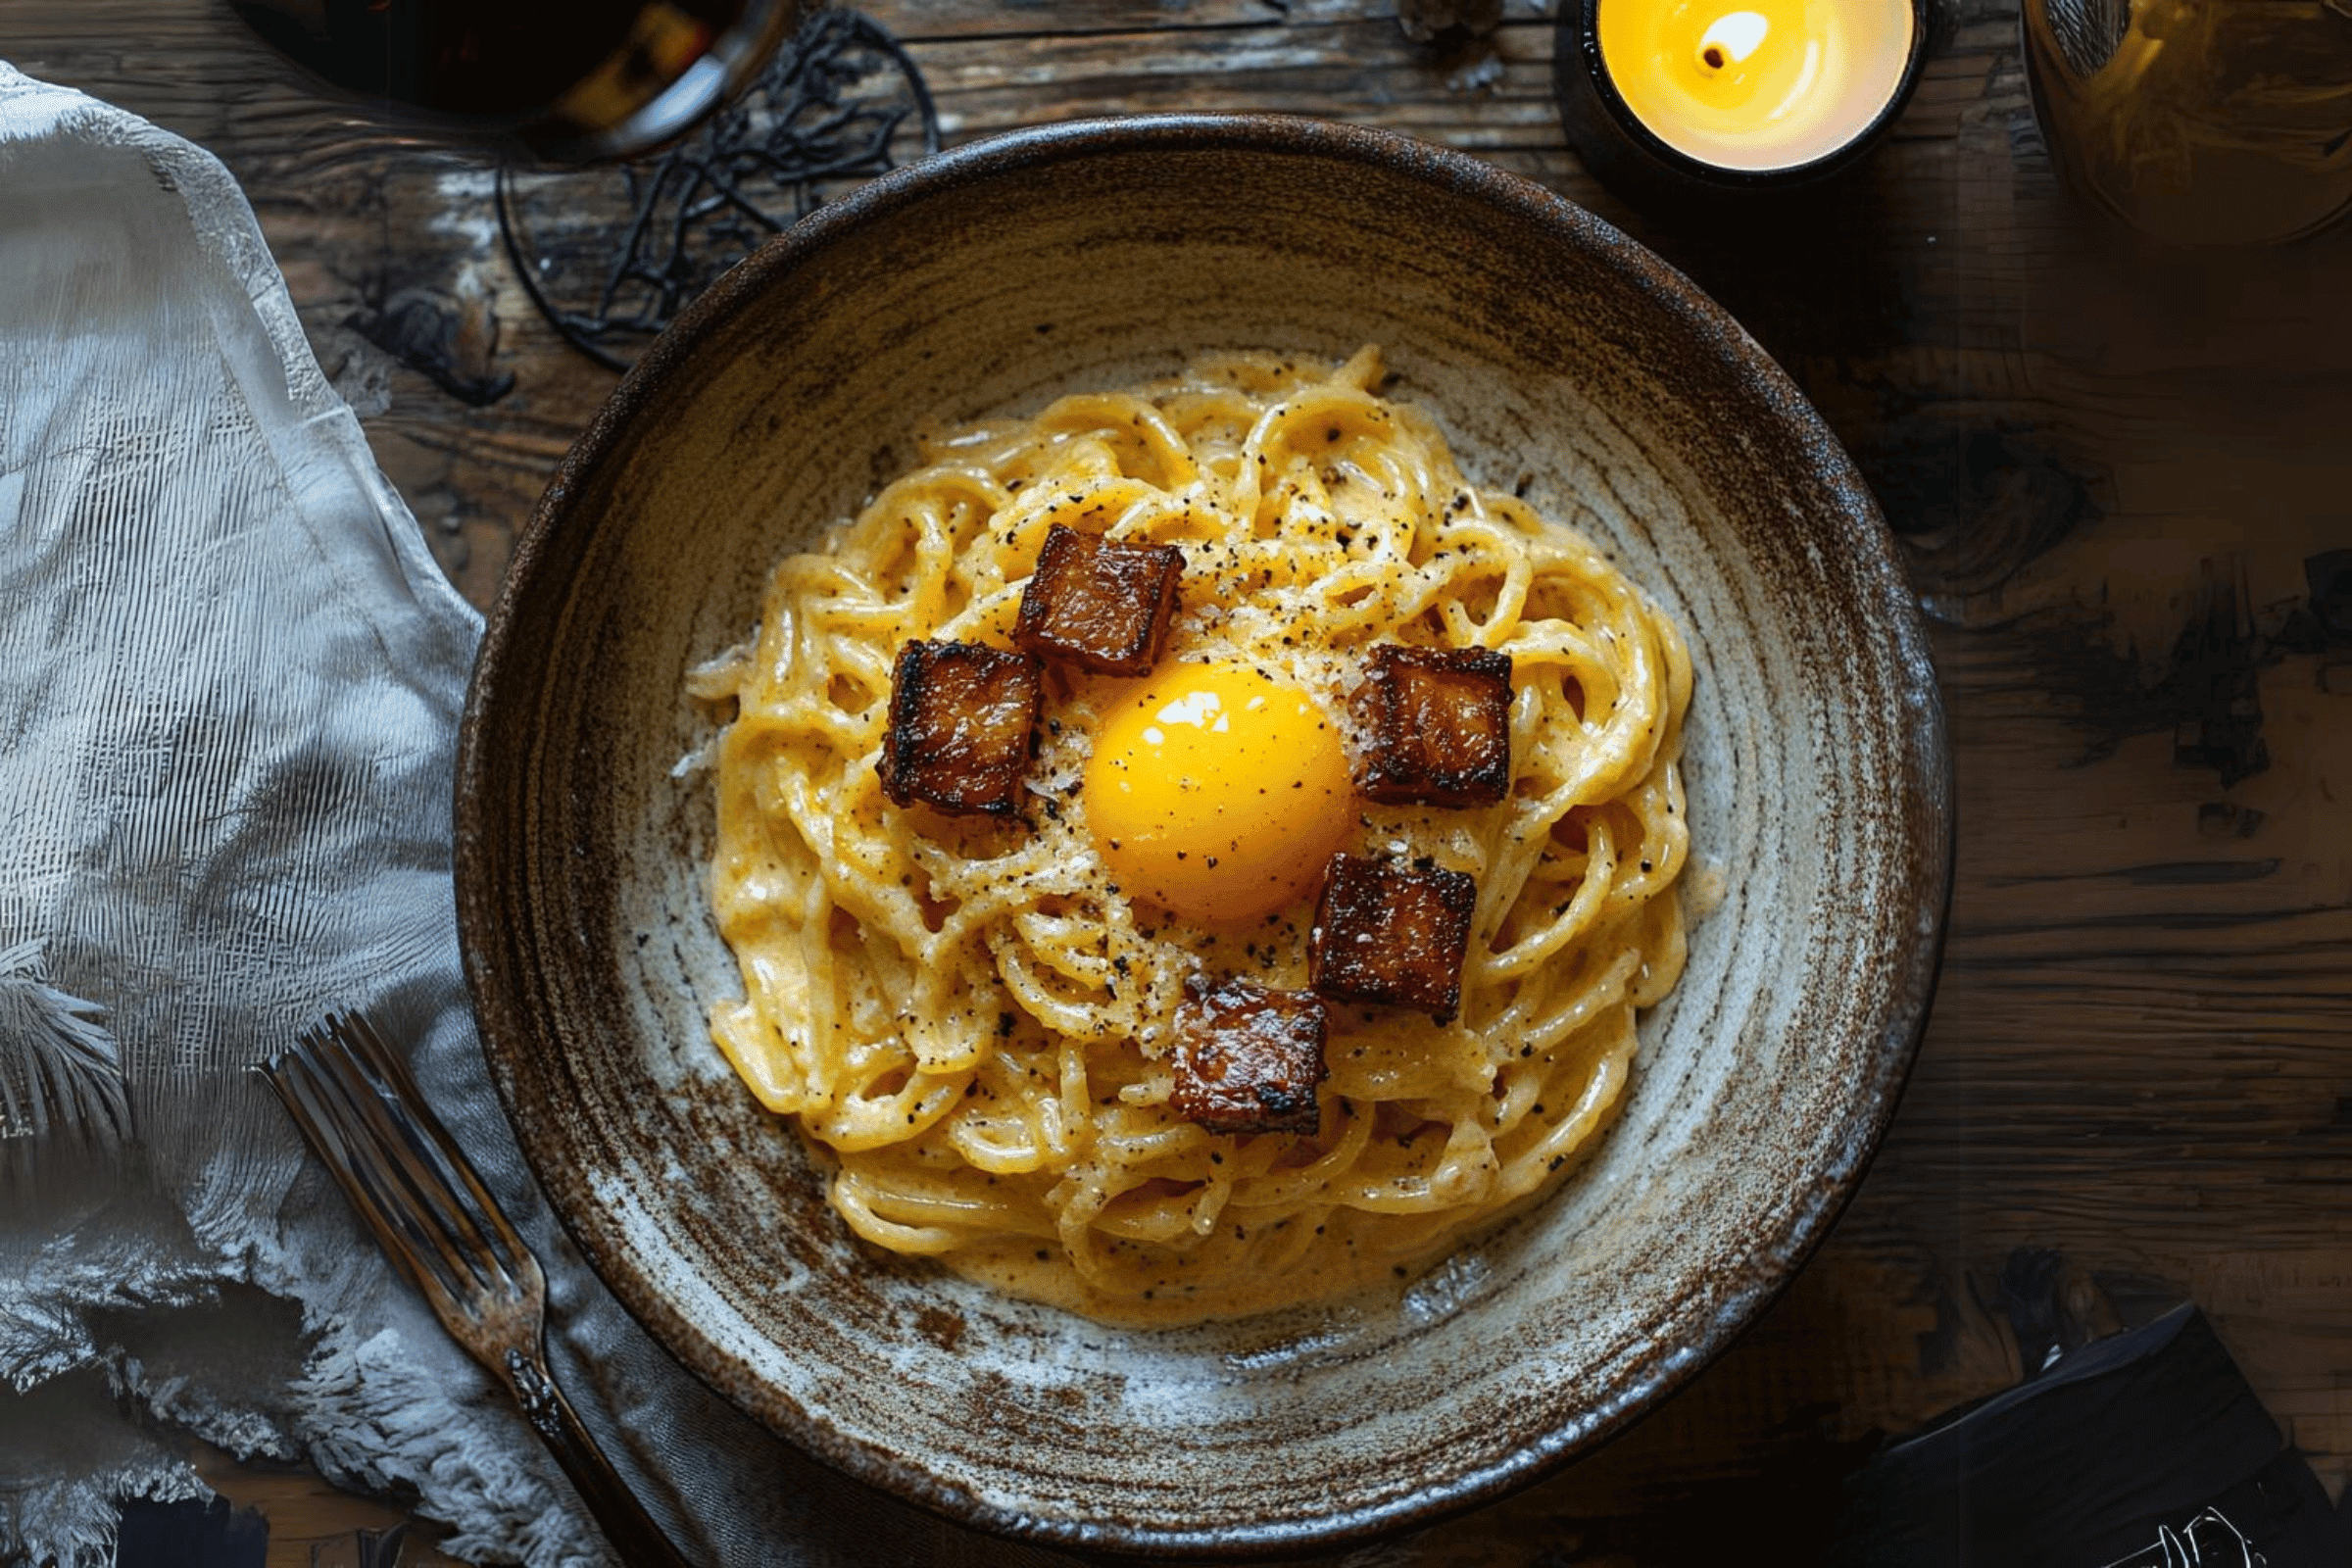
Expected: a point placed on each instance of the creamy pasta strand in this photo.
(971, 1022)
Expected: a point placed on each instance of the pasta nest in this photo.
(970, 1022)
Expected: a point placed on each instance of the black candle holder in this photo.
(1646, 171)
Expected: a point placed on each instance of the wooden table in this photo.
(2109, 468)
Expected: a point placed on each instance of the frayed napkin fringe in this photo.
(406, 1437)
(61, 1074)
(233, 672)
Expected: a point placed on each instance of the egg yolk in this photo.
(1217, 792)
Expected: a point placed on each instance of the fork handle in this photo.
(634, 1537)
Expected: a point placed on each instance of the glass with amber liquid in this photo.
(573, 81)
(2199, 121)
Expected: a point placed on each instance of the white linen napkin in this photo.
(230, 677)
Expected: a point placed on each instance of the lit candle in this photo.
(1734, 93)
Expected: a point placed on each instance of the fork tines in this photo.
(360, 1109)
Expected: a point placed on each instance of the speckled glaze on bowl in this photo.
(1557, 354)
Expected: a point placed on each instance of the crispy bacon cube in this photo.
(1393, 934)
(1435, 726)
(1101, 606)
(1248, 1057)
(963, 724)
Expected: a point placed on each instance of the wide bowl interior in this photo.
(1559, 357)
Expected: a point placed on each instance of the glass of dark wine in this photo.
(566, 81)
(637, 148)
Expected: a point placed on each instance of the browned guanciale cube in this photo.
(1248, 1057)
(962, 723)
(1393, 934)
(1101, 606)
(1435, 726)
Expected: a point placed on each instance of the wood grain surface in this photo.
(2119, 474)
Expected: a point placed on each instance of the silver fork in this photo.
(354, 1100)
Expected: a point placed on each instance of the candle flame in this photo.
(1732, 38)
(1756, 84)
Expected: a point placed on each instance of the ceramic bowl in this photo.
(1559, 356)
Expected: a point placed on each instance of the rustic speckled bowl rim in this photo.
(505, 1024)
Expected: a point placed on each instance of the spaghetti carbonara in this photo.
(970, 1018)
